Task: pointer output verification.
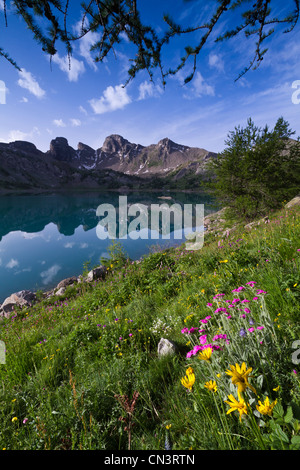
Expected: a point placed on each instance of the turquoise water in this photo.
(49, 237)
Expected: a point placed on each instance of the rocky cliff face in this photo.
(117, 163)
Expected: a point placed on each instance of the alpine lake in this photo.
(47, 237)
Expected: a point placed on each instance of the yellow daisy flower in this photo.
(189, 380)
(239, 377)
(205, 354)
(237, 405)
(211, 385)
(266, 408)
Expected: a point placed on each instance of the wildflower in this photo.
(266, 408)
(205, 354)
(14, 419)
(276, 389)
(211, 385)
(239, 406)
(251, 321)
(25, 420)
(250, 330)
(247, 310)
(203, 339)
(239, 377)
(242, 332)
(189, 380)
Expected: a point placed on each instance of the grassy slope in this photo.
(68, 361)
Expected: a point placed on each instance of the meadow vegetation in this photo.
(82, 370)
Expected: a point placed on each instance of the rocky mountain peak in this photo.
(169, 146)
(61, 150)
(114, 143)
(24, 147)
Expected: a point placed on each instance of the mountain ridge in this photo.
(23, 165)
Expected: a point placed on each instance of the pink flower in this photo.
(250, 330)
(220, 309)
(255, 298)
(203, 339)
(251, 283)
(25, 420)
(247, 310)
(260, 328)
(209, 305)
(245, 301)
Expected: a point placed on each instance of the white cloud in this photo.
(83, 110)
(113, 98)
(12, 263)
(24, 100)
(73, 67)
(199, 88)
(50, 273)
(75, 122)
(69, 245)
(86, 42)
(16, 134)
(59, 123)
(28, 82)
(147, 89)
(215, 61)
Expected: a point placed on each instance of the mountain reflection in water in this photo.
(47, 237)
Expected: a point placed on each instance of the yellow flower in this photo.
(224, 261)
(189, 380)
(266, 408)
(239, 406)
(168, 426)
(211, 385)
(205, 354)
(276, 389)
(239, 377)
(14, 419)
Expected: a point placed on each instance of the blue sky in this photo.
(87, 102)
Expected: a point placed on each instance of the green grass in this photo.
(69, 359)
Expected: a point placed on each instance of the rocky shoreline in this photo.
(26, 298)
(214, 223)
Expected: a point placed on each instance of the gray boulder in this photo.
(97, 273)
(66, 282)
(23, 298)
(165, 347)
